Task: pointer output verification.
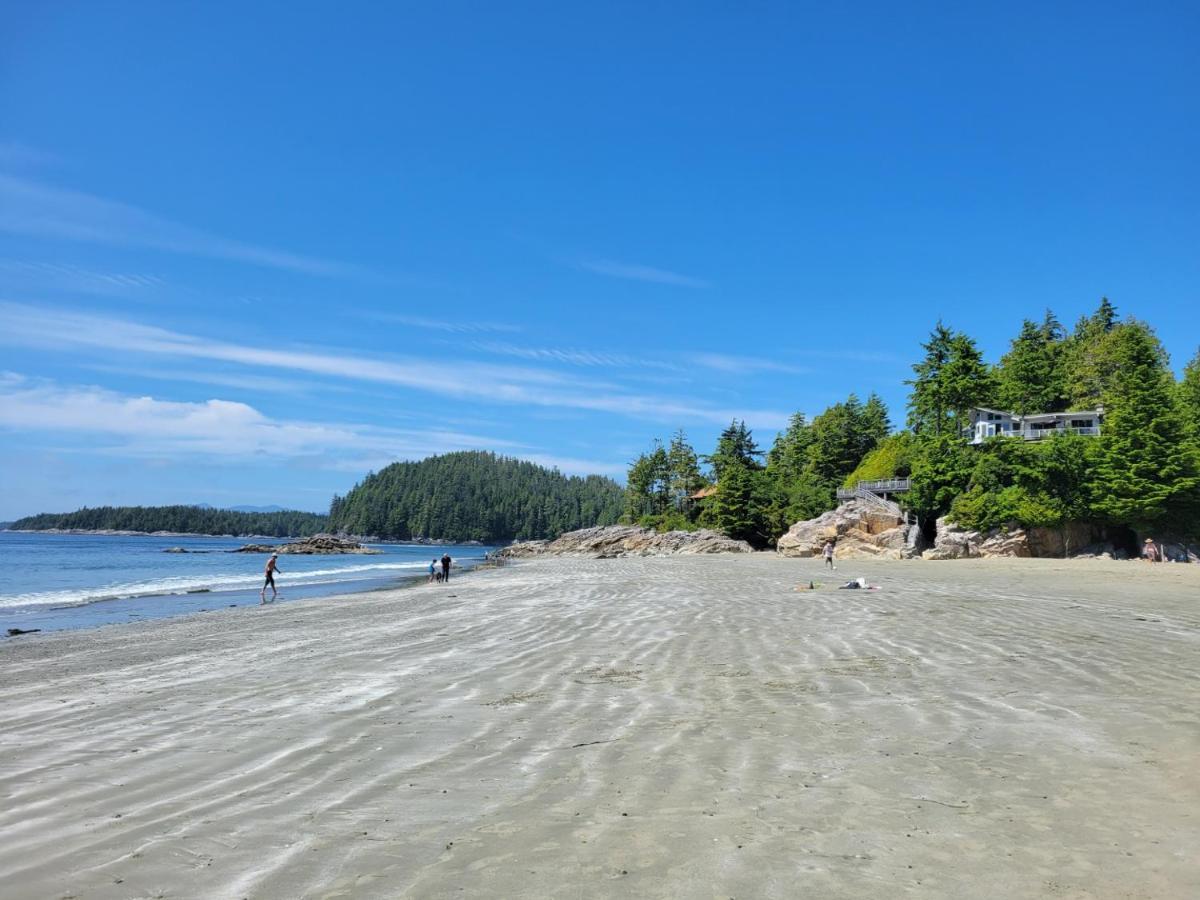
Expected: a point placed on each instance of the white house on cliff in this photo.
(986, 423)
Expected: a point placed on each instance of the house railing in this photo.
(1032, 434)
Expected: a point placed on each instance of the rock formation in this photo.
(626, 540)
(317, 544)
(858, 530)
(1074, 539)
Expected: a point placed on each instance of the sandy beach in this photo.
(674, 727)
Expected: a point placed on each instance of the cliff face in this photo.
(626, 540)
(858, 531)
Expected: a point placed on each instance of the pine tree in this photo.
(683, 467)
(1031, 377)
(1146, 465)
(1089, 365)
(1189, 395)
(950, 380)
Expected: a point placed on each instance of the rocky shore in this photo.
(859, 530)
(323, 544)
(616, 541)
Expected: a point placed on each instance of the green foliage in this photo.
(1032, 378)
(1090, 363)
(179, 519)
(1189, 395)
(474, 496)
(1148, 465)
(941, 470)
(892, 458)
(950, 380)
(809, 460)
(739, 506)
(660, 483)
(736, 448)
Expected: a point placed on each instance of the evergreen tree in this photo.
(1089, 362)
(1031, 376)
(789, 454)
(735, 446)
(1146, 466)
(950, 380)
(683, 467)
(1189, 395)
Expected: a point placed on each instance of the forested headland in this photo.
(178, 519)
(474, 495)
(1141, 474)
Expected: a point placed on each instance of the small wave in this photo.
(185, 584)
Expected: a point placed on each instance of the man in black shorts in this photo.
(272, 568)
(445, 567)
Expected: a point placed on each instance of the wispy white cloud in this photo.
(25, 275)
(451, 326)
(147, 426)
(634, 272)
(242, 381)
(574, 357)
(24, 325)
(745, 365)
(31, 208)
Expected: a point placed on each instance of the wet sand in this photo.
(680, 727)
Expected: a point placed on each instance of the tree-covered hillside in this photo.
(474, 495)
(1140, 476)
(182, 519)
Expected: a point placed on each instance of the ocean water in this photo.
(60, 581)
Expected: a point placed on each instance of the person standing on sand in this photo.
(1150, 551)
(445, 567)
(432, 570)
(272, 568)
(828, 554)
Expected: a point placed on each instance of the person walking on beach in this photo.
(272, 568)
(432, 570)
(828, 554)
(1150, 551)
(445, 567)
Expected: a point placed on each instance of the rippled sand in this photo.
(686, 727)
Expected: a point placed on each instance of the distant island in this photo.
(452, 498)
(474, 496)
(177, 520)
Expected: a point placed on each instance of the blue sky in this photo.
(249, 252)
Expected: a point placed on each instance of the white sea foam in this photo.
(184, 584)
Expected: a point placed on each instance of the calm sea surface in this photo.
(58, 581)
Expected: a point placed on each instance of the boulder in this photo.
(955, 542)
(626, 540)
(858, 530)
(952, 541)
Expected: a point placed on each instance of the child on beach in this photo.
(828, 554)
(432, 570)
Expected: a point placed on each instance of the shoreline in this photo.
(142, 609)
(657, 727)
(107, 532)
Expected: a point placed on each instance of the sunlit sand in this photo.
(681, 727)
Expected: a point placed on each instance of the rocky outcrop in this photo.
(322, 544)
(1075, 539)
(625, 540)
(858, 530)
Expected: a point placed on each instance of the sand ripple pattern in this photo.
(676, 727)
